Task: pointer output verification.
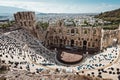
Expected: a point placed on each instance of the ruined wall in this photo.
(27, 21)
(109, 37)
(61, 36)
(90, 37)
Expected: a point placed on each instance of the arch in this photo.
(72, 31)
(84, 45)
(96, 39)
(72, 43)
(25, 23)
(93, 44)
(29, 23)
(20, 16)
(61, 43)
(60, 40)
(51, 43)
(80, 43)
(89, 44)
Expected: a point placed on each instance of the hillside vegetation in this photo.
(112, 16)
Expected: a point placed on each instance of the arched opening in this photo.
(84, 45)
(51, 43)
(72, 31)
(72, 43)
(60, 43)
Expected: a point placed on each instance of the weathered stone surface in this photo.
(90, 37)
(24, 75)
(94, 38)
(27, 20)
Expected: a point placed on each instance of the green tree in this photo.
(43, 25)
(85, 22)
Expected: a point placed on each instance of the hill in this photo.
(112, 16)
(7, 10)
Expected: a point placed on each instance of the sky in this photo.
(61, 6)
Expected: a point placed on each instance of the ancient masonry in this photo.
(88, 38)
(27, 20)
(82, 37)
(91, 38)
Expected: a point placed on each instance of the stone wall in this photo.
(27, 21)
(90, 37)
(111, 37)
(61, 36)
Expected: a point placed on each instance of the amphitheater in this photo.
(22, 51)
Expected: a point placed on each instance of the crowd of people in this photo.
(22, 51)
(100, 60)
(17, 48)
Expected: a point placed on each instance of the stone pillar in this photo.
(101, 41)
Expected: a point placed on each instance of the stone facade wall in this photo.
(27, 21)
(90, 37)
(61, 36)
(109, 37)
